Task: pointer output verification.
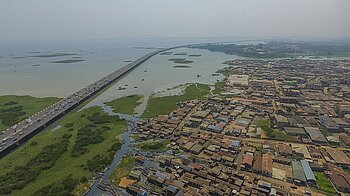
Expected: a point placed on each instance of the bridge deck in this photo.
(24, 130)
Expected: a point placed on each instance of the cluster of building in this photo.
(276, 127)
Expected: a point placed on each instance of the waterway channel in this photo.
(155, 76)
(126, 148)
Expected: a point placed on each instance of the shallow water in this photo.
(18, 76)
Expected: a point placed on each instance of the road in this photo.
(26, 129)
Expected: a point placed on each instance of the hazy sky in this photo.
(31, 20)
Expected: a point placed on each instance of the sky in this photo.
(33, 20)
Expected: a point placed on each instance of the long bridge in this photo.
(21, 132)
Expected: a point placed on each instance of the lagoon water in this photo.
(18, 76)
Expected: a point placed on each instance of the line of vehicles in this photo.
(20, 132)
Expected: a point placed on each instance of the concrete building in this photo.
(238, 80)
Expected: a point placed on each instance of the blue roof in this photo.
(307, 170)
(172, 189)
(235, 143)
(160, 175)
(213, 127)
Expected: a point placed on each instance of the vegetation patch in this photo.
(13, 108)
(324, 184)
(62, 187)
(101, 161)
(219, 88)
(275, 134)
(194, 55)
(123, 169)
(91, 133)
(181, 54)
(125, 105)
(275, 49)
(182, 66)
(164, 105)
(166, 53)
(80, 167)
(181, 60)
(68, 61)
(154, 146)
(20, 176)
(54, 55)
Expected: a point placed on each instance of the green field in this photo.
(88, 155)
(125, 105)
(164, 105)
(324, 184)
(154, 146)
(16, 108)
(219, 88)
(123, 169)
(274, 134)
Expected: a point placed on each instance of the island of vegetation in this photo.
(181, 60)
(126, 105)
(194, 55)
(166, 53)
(182, 66)
(68, 61)
(180, 54)
(54, 55)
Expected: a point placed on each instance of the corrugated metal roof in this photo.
(248, 159)
(235, 143)
(307, 170)
(298, 172)
(267, 162)
(315, 134)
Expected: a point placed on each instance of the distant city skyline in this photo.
(40, 20)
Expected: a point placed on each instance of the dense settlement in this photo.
(278, 127)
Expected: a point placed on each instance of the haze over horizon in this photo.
(40, 20)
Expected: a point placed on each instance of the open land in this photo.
(125, 105)
(164, 105)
